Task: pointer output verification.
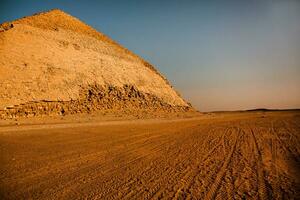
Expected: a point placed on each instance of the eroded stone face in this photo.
(94, 98)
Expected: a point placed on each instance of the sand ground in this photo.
(250, 155)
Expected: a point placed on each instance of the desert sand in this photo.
(82, 117)
(242, 155)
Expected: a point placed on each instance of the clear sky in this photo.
(220, 55)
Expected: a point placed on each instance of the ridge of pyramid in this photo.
(57, 19)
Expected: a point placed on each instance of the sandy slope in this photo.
(243, 155)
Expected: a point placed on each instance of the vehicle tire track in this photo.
(262, 187)
(215, 186)
(189, 178)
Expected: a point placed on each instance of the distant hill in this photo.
(256, 110)
(52, 63)
(269, 110)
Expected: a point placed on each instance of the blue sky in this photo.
(220, 55)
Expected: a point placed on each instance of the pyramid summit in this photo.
(52, 62)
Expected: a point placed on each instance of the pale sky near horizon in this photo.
(220, 55)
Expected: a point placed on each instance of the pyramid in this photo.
(52, 63)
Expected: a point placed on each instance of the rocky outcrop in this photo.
(6, 26)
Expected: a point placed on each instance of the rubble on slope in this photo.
(94, 97)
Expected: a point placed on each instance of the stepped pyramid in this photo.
(52, 63)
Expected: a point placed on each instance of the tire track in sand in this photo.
(294, 158)
(215, 186)
(262, 187)
(156, 190)
(189, 177)
(185, 174)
